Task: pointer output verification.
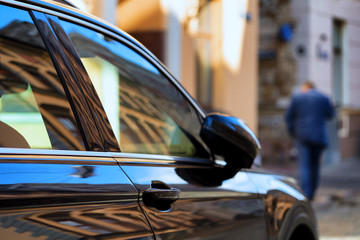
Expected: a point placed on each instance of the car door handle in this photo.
(160, 196)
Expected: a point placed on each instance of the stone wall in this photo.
(277, 78)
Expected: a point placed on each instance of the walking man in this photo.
(306, 122)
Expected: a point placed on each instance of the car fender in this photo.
(286, 208)
(299, 223)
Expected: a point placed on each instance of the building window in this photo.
(338, 62)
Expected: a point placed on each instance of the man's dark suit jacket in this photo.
(306, 117)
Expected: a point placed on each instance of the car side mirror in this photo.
(231, 138)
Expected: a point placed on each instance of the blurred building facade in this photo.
(247, 58)
(210, 46)
(304, 40)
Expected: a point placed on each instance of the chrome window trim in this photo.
(110, 30)
(159, 160)
(51, 160)
(40, 157)
(55, 153)
(91, 156)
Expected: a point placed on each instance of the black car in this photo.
(99, 141)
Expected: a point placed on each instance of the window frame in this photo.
(148, 56)
(77, 17)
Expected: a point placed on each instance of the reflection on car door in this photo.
(154, 122)
(49, 195)
(229, 211)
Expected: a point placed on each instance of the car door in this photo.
(158, 126)
(57, 180)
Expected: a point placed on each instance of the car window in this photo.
(34, 110)
(147, 112)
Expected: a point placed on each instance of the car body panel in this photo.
(68, 196)
(283, 200)
(230, 211)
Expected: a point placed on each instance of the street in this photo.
(337, 202)
(338, 213)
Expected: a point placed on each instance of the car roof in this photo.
(70, 9)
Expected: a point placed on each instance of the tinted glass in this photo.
(147, 112)
(34, 110)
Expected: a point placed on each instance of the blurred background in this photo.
(247, 58)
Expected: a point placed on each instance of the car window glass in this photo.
(147, 112)
(34, 110)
